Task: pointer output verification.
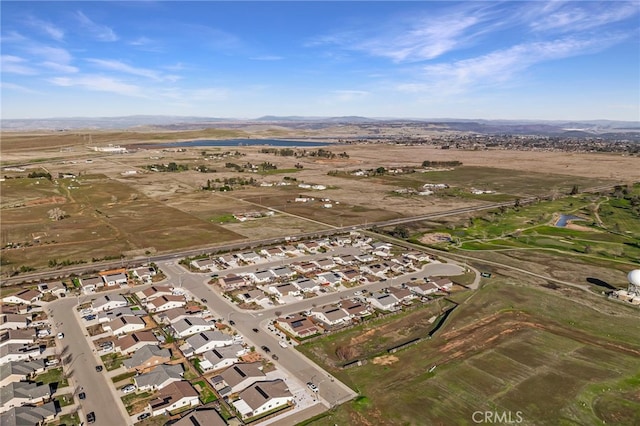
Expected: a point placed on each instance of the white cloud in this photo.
(64, 68)
(266, 58)
(100, 84)
(99, 31)
(50, 53)
(48, 28)
(501, 66)
(349, 95)
(17, 88)
(578, 16)
(119, 66)
(16, 65)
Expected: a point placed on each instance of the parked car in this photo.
(282, 343)
(98, 368)
(91, 417)
(255, 330)
(232, 322)
(143, 416)
(274, 356)
(82, 395)
(128, 389)
(60, 335)
(204, 300)
(312, 386)
(266, 349)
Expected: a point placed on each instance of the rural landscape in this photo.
(533, 329)
(320, 213)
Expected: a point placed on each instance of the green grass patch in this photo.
(206, 394)
(64, 400)
(224, 218)
(277, 171)
(123, 376)
(112, 361)
(55, 375)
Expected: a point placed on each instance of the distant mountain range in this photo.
(481, 126)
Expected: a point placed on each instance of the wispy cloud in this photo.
(16, 87)
(16, 65)
(99, 31)
(349, 95)
(267, 58)
(119, 66)
(50, 53)
(100, 83)
(48, 28)
(561, 16)
(500, 66)
(58, 67)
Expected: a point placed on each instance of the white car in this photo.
(60, 335)
(128, 389)
(282, 343)
(312, 386)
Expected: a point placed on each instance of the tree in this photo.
(574, 190)
(56, 214)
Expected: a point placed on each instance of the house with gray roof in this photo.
(203, 417)
(14, 321)
(160, 377)
(261, 397)
(207, 340)
(383, 301)
(173, 397)
(108, 302)
(284, 290)
(331, 315)
(307, 285)
(147, 357)
(107, 316)
(18, 352)
(90, 284)
(283, 272)
(219, 358)
(16, 394)
(192, 325)
(237, 377)
(29, 415)
(16, 371)
(125, 324)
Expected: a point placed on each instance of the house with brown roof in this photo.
(404, 295)
(135, 341)
(355, 309)
(298, 326)
(424, 289)
(262, 397)
(175, 396)
(147, 357)
(443, 283)
(286, 289)
(164, 303)
(14, 321)
(232, 282)
(202, 417)
(27, 296)
(153, 292)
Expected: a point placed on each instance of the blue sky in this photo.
(494, 60)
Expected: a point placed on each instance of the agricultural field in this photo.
(507, 348)
(604, 228)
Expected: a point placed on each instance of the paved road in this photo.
(81, 360)
(234, 246)
(331, 390)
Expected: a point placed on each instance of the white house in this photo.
(250, 257)
(237, 377)
(144, 273)
(383, 301)
(443, 283)
(135, 341)
(159, 378)
(175, 396)
(90, 284)
(191, 325)
(424, 289)
(118, 278)
(205, 265)
(307, 285)
(330, 278)
(14, 321)
(331, 315)
(284, 290)
(26, 296)
(164, 303)
(124, 324)
(208, 340)
(261, 277)
(223, 357)
(108, 302)
(262, 397)
(18, 352)
(154, 292)
(16, 394)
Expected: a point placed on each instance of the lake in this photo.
(564, 218)
(245, 142)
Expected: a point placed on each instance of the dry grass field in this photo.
(507, 348)
(120, 207)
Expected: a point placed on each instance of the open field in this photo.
(110, 205)
(609, 229)
(507, 348)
